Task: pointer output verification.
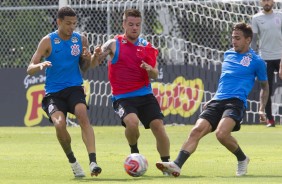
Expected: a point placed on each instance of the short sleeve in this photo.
(261, 70)
(254, 25)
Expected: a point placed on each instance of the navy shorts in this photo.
(218, 109)
(145, 107)
(64, 100)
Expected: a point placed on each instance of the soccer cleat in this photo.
(270, 123)
(95, 169)
(77, 170)
(169, 168)
(242, 167)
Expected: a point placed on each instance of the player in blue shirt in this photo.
(223, 114)
(66, 53)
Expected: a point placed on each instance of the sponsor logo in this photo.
(30, 80)
(74, 39)
(182, 97)
(50, 108)
(57, 51)
(57, 41)
(120, 111)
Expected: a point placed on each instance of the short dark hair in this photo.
(245, 28)
(131, 13)
(65, 11)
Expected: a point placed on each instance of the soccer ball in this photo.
(135, 164)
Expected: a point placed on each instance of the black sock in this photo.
(181, 158)
(134, 148)
(239, 154)
(92, 157)
(165, 159)
(71, 157)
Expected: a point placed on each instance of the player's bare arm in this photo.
(101, 52)
(263, 99)
(280, 69)
(153, 72)
(254, 42)
(85, 57)
(43, 50)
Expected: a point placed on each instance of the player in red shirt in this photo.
(132, 65)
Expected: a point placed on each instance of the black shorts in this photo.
(64, 100)
(218, 109)
(145, 107)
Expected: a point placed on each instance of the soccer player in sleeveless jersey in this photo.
(66, 53)
(267, 25)
(132, 65)
(224, 113)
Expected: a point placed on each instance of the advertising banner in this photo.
(180, 89)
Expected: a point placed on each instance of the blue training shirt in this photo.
(238, 75)
(65, 71)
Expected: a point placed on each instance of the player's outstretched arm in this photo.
(85, 58)
(43, 50)
(101, 52)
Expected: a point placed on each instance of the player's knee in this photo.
(131, 122)
(157, 126)
(82, 119)
(59, 125)
(132, 125)
(221, 136)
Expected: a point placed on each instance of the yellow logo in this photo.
(182, 97)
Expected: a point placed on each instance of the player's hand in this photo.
(86, 55)
(44, 65)
(262, 117)
(145, 66)
(206, 104)
(98, 52)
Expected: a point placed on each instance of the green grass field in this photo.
(33, 156)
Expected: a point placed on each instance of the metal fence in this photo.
(186, 32)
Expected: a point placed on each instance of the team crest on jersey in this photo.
(277, 21)
(246, 61)
(123, 41)
(74, 39)
(57, 41)
(75, 50)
